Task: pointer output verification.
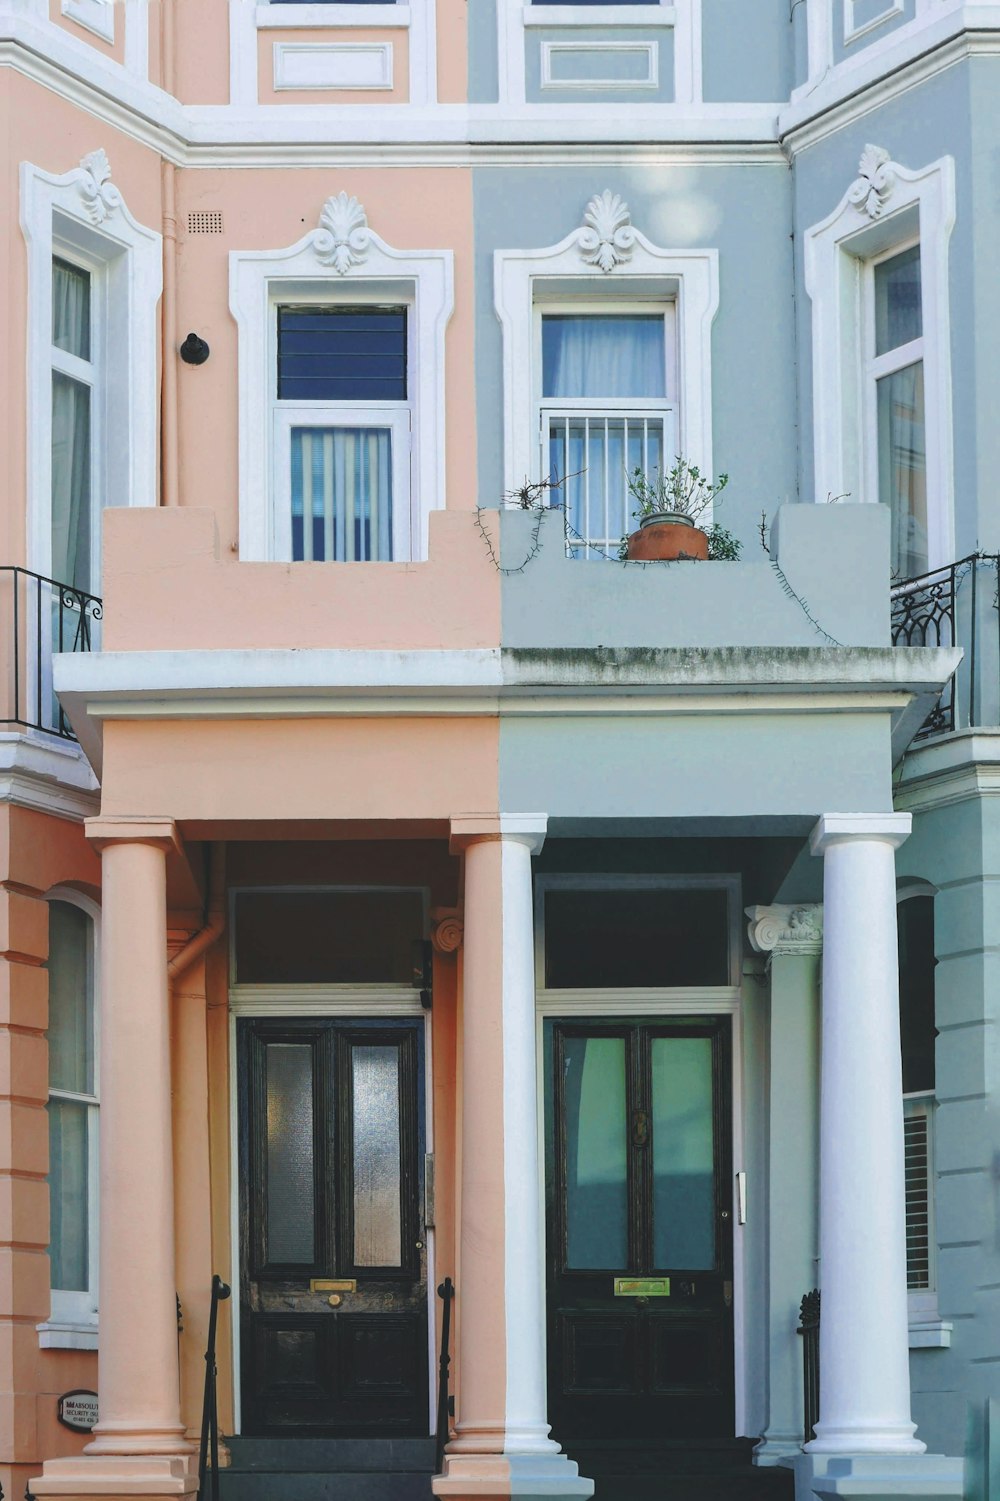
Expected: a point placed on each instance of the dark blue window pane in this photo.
(341, 354)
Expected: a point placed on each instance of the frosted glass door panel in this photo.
(683, 1153)
(377, 1156)
(596, 1153)
(291, 1190)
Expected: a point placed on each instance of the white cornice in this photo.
(952, 769)
(48, 776)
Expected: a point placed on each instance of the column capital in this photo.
(133, 828)
(785, 928)
(881, 828)
(475, 828)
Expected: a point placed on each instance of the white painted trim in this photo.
(246, 20)
(48, 775)
(324, 1000)
(84, 209)
(649, 49)
(374, 271)
(853, 30)
(66, 1334)
(95, 16)
(691, 277)
(304, 1000)
(515, 18)
(137, 38)
(903, 205)
(363, 66)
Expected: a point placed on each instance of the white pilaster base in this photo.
(877, 1477)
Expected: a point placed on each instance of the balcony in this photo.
(956, 606)
(42, 617)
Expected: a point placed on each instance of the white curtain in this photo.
(903, 467)
(603, 357)
(341, 487)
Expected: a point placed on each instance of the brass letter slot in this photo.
(642, 1287)
(333, 1285)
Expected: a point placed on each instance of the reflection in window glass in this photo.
(898, 315)
(327, 937)
(902, 452)
(377, 1152)
(683, 1153)
(653, 936)
(68, 1195)
(596, 1154)
(291, 1210)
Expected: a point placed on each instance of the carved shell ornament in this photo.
(873, 186)
(343, 238)
(606, 238)
(99, 194)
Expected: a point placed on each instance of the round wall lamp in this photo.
(194, 351)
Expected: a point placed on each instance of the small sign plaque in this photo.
(78, 1410)
(642, 1287)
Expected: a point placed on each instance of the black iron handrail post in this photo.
(809, 1330)
(210, 1412)
(445, 1407)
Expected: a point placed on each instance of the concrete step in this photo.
(320, 1455)
(343, 1485)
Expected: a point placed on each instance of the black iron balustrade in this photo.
(956, 606)
(809, 1330)
(43, 617)
(446, 1404)
(208, 1479)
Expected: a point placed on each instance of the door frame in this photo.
(345, 1002)
(693, 1001)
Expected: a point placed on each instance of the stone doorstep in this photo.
(877, 1477)
(108, 1477)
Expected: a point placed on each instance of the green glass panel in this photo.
(596, 1155)
(71, 999)
(68, 1195)
(683, 1154)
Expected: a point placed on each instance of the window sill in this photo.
(600, 15)
(57, 1334)
(930, 1334)
(327, 17)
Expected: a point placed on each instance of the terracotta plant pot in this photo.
(663, 540)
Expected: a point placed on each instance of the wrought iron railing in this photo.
(446, 1403)
(809, 1330)
(41, 617)
(956, 606)
(208, 1479)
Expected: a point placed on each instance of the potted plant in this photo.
(667, 509)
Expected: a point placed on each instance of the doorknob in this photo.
(640, 1128)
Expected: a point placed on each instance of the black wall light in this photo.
(194, 351)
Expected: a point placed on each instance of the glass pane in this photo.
(902, 467)
(377, 1214)
(915, 927)
(341, 354)
(596, 1154)
(898, 316)
(327, 937)
(659, 936)
(71, 309)
(606, 357)
(291, 1209)
(341, 489)
(71, 999)
(683, 1153)
(68, 1195)
(594, 455)
(70, 481)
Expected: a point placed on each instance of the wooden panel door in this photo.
(331, 1155)
(639, 1231)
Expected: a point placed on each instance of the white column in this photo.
(864, 1354)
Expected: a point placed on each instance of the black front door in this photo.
(333, 1303)
(639, 1230)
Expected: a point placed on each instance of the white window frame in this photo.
(878, 216)
(320, 415)
(530, 282)
(417, 17)
(377, 273)
(82, 217)
(516, 18)
(854, 31)
(73, 1317)
(96, 16)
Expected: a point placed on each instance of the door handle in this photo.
(640, 1128)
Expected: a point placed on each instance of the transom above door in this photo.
(333, 1302)
(639, 1229)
